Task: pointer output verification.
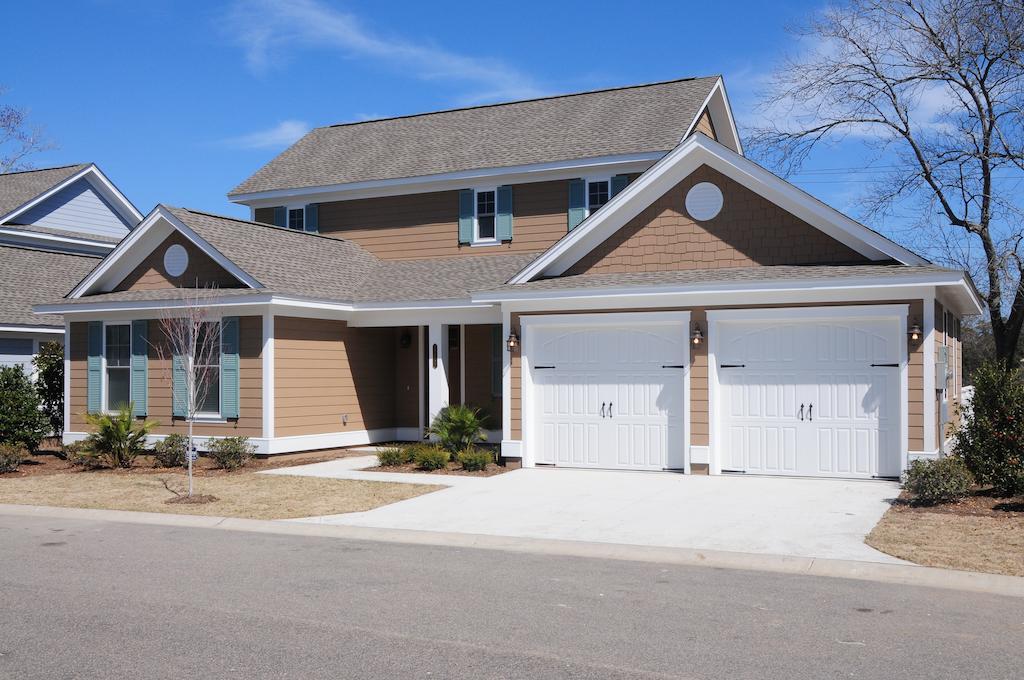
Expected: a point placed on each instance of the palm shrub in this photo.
(944, 480)
(990, 439)
(21, 420)
(117, 439)
(49, 365)
(11, 456)
(457, 428)
(231, 453)
(172, 451)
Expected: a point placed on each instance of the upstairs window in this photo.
(598, 194)
(485, 210)
(296, 219)
(118, 355)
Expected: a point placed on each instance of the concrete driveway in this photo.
(807, 517)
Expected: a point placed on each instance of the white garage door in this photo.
(609, 396)
(816, 398)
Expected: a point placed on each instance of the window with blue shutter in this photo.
(619, 183)
(179, 387)
(280, 216)
(229, 367)
(313, 217)
(94, 367)
(503, 221)
(140, 367)
(577, 202)
(467, 215)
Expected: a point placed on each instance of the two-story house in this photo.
(55, 225)
(604, 273)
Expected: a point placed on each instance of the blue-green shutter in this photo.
(503, 217)
(312, 221)
(618, 183)
(179, 387)
(94, 401)
(229, 367)
(280, 216)
(467, 212)
(140, 367)
(577, 202)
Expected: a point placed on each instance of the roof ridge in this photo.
(564, 95)
(55, 167)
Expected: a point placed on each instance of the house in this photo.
(55, 225)
(605, 274)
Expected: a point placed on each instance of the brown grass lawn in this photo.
(239, 494)
(942, 537)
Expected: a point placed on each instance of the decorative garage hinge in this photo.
(732, 366)
(673, 365)
(885, 365)
(542, 367)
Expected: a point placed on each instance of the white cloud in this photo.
(267, 29)
(281, 135)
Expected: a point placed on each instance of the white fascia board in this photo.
(99, 181)
(515, 174)
(106, 306)
(54, 239)
(31, 329)
(695, 151)
(718, 107)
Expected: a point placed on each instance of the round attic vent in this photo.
(703, 201)
(175, 260)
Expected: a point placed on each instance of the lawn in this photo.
(240, 493)
(978, 534)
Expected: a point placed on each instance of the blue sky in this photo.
(179, 102)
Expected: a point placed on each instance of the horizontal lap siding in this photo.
(479, 393)
(77, 347)
(201, 272)
(324, 369)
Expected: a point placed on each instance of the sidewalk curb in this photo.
(901, 574)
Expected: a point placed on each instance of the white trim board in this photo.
(91, 173)
(718, 107)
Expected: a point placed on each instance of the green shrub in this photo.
(474, 459)
(943, 480)
(430, 457)
(393, 456)
(458, 427)
(21, 420)
(118, 439)
(172, 451)
(11, 456)
(231, 453)
(49, 365)
(77, 454)
(990, 439)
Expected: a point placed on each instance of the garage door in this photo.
(609, 396)
(815, 398)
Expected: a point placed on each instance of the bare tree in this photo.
(18, 140)
(190, 346)
(937, 88)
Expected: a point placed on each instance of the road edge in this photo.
(902, 574)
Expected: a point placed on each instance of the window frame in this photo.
(593, 180)
(105, 383)
(216, 416)
(288, 209)
(477, 239)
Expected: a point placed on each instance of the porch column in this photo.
(437, 369)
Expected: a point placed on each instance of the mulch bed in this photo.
(981, 503)
(452, 469)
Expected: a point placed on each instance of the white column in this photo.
(437, 368)
(462, 364)
(930, 416)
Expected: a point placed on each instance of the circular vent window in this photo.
(703, 201)
(175, 260)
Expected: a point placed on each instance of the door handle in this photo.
(609, 409)
(810, 412)
(801, 411)
(602, 409)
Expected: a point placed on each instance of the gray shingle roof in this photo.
(643, 118)
(35, 228)
(448, 278)
(30, 277)
(18, 188)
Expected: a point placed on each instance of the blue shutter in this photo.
(618, 183)
(179, 387)
(229, 367)
(577, 202)
(503, 216)
(94, 401)
(312, 221)
(467, 212)
(140, 363)
(281, 216)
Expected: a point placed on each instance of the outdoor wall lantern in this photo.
(697, 337)
(513, 341)
(915, 332)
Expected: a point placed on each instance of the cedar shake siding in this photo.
(250, 381)
(427, 225)
(480, 393)
(326, 372)
(749, 231)
(202, 271)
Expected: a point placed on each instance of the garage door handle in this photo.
(732, 366)
(538, 368)
(801, 411)
(602, 409)
(609, 409)
(673, 366)
(885, 365)
(810, 412)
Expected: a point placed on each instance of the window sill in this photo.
(484, 244)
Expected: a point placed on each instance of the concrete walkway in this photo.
(818, 518)
(355, 468)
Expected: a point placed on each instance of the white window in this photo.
(296, 218)
(208, 349)
(486, 204)
(598, 193)
(117, 353)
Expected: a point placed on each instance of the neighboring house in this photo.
(55, 225)
(605, 274)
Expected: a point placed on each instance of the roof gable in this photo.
(694, 152)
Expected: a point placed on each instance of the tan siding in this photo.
(705, 125)
(324, 370)
(426, 225)
(700, 432)
(478, 374)
(749, 231)
(915, 384)
(250, 420)
(201, 272)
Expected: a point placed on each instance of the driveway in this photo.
(807, 517)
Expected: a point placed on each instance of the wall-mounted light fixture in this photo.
(915, 331)
(697, 337)
(513, 341)
(434, 352)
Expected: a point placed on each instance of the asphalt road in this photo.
(84, 600)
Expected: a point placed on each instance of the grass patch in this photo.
(245, 495)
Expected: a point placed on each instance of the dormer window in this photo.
(598, 193)
(485, 212)
(296, 219)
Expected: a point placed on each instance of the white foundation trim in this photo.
(700, 455)
(922, 455)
